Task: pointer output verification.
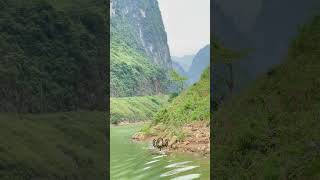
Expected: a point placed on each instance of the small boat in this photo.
(160, 143)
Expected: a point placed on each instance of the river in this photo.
(135, 161)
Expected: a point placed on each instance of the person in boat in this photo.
(160, 143)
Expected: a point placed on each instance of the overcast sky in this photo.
(187, 23)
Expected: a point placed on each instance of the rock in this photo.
(139, 136)
(174, 146)
(198, 135)
(173, 141)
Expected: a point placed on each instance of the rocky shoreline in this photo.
(196, 138)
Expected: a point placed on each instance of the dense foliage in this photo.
(272, 131)
(53, 146)
(52, 55)
(139, 52)
(132, 73)
(193, 104)
(133, 109)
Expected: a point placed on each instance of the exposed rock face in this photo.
(141, 22)
(140, 57)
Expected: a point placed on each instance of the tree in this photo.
(178, 79)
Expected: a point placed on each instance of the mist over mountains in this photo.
(198, 64)
(184, 61)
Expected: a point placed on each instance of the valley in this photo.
(149, 90)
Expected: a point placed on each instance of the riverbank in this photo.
(138, 160)
(125, 123)
(190, 138)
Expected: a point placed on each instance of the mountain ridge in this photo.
(140, 56)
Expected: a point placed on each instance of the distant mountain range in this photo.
(184, 61)
(178, 67)
(200, 62)
(192, 68)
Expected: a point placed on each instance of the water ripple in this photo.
(159, 156)
(146, 168)
(176, 171)
(187, 177)
(177, 164)
(150, 162)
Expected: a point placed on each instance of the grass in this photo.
(191, 105)
(139, 108)
(69, 145)
(272, 130)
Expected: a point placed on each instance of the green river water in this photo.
(132, 161)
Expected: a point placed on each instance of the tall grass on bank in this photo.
(138, 108)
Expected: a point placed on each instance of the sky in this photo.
(187, 23)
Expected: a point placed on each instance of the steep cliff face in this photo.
(140, 56)
(143, 21)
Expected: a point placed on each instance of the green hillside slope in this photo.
(132, 73)
(191, 105)
(52, 58)
(272, 130)
(136, 108)
(53, 146)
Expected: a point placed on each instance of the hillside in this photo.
(191, 105)
(52, 57)
(53, 146)
(199, 63)
(272, 130)
(140, 56)
(250, 25)
(133, 109)
(52, 61)
(185, 121)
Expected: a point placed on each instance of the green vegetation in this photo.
(192, 104)
(52, 55)
(53, 59)
(178, 80)
(272, 130)
(135, 44)
(136, 108)
(53, 146)
(132, 72)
